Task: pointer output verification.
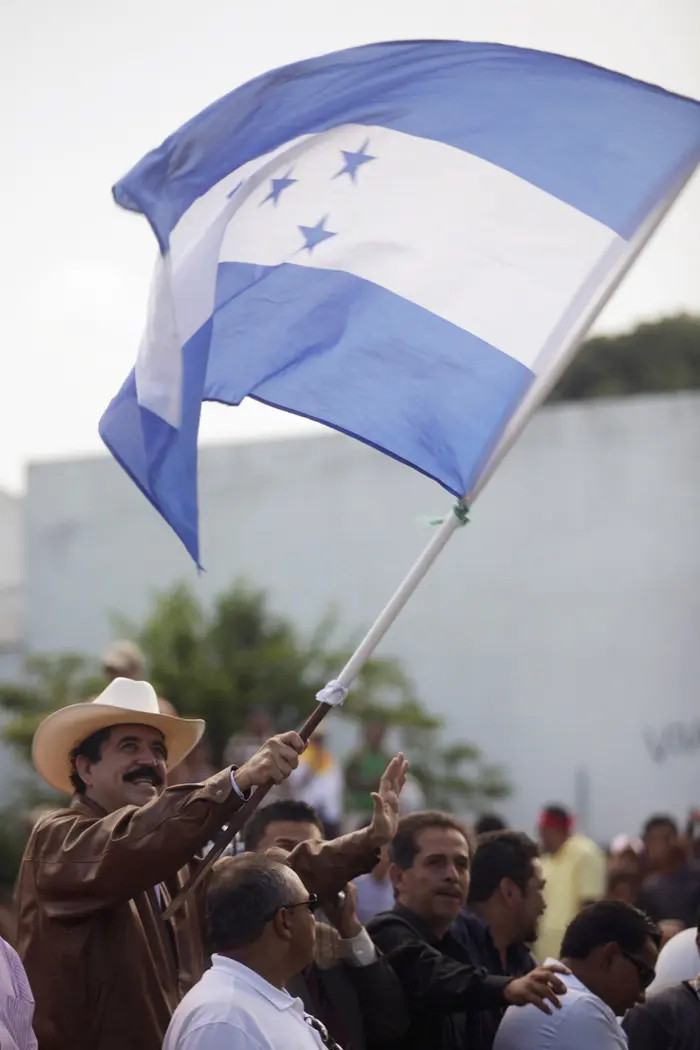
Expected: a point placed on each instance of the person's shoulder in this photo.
(583, 1022)
(668, 1001)
(673, 1009)
(56, 822)
(211, 1033)
(582, 846)
(391, 927)
(525, 1028)
(469, 925)
(10, 962)
(218, 997)
(584, 1012)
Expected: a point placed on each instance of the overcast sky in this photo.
(89, 87)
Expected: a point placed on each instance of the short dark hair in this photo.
(501, 855)
(404, 846)
(243, 895)
(90, 748)
(289, 809)
(557, 812)
(604, 922)
(489, 822)
(660, 820)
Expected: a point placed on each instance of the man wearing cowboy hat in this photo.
(124, 659)
(107, 970)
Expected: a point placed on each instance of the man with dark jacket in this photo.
(106, 968)
(669, 1020)
(430, 870)
(504, 906)
(348, 985)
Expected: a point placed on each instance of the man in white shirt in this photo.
(348, 986)
(611, 950)
(261, 929)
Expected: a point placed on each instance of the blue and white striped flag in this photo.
(400, 241)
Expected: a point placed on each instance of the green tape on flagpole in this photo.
(460, 511)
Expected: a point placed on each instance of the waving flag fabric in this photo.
(395, 240)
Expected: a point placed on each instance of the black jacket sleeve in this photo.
(382, 1001)
(432, 979)
(644, 1031)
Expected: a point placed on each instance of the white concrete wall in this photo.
(11, 618)
(10, 539)
(558, 632)
(11, 572)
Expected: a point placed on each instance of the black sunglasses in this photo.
(311, 904)
(645, 973)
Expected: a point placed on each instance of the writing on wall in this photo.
(672, 740)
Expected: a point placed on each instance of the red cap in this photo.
(554, 820)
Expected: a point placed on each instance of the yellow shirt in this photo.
(574, 874)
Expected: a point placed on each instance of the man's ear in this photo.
(282, 925)
(607, 953)
(397, 876)
(509, 891)
(83, 767)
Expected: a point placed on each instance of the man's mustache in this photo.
(144, 773)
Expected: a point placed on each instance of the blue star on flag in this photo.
(353, 161)
(278, 187)
(314, 235)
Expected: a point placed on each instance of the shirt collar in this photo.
(276, 996)
(573, 982)
(86, 805)
(477, 925)
(518, 955)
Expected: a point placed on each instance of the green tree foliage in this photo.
(220, 663)
(457, 777)
(652, 358)
(49, 682)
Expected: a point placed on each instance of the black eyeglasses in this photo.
(311, 904)
(645, 973)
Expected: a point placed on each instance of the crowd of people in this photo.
(410, 932)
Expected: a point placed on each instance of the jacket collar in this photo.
(83, 804)
(419, 925)
(519, 955)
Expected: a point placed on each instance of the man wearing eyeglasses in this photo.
(610, 949)
(670, 1018)
(261, 929)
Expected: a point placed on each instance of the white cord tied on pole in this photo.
(333, 694)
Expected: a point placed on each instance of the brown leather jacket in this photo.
(106, 969)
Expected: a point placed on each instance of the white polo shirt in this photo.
(583, 1023)
(233, 1008)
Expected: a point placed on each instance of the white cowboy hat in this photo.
(123, 702)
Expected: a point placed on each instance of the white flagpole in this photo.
(540, 388)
